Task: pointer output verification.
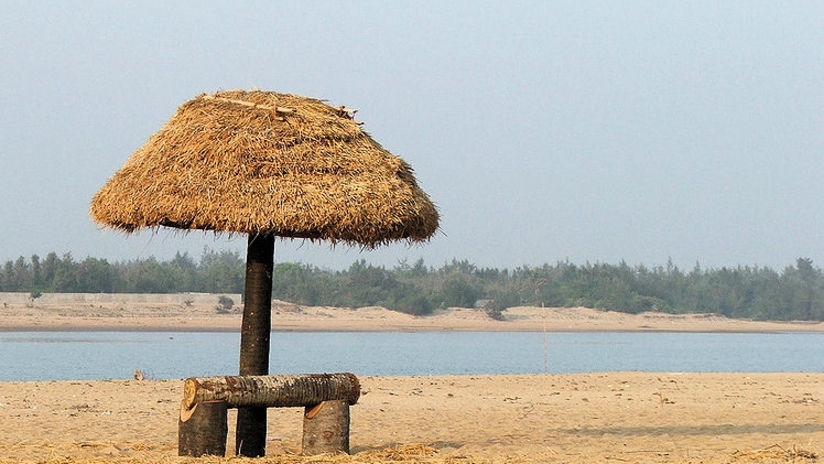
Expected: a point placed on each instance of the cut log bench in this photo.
(202, 428)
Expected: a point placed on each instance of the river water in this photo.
(105, 355)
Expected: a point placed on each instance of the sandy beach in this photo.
(582, 418)
(196, 312)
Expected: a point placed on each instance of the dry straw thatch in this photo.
(266, 163)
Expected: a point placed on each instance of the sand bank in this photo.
(581, 418)
(197, 312)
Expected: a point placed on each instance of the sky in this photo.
(544, 131)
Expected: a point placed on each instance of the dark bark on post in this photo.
(254, 339)
(326, 428)
(202, 430)
(250, 440)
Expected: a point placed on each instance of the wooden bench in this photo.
(203, 428)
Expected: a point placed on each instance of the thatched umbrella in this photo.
(266, 164)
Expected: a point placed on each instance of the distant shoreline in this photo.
(188, 313)
(105, 327)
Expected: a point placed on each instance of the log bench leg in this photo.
(326, 428)
(203, 429)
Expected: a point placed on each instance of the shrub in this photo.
(495, 307)
(224, 304)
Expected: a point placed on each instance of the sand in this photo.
(196, 312)
(628, 417)
(582, 418)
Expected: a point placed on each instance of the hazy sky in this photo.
(543, 130)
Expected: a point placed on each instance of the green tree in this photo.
(458, 291)
(221, 272)
(95, 276)
(65, 280)
(36, 273)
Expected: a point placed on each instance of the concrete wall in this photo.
(125, 298)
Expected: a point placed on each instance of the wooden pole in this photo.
(326, 428)
(202, 430)
(254, 339)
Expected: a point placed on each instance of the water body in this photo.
(105, 355)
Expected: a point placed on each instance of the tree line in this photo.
(793, 293)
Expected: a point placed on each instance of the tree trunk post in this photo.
(202, 430)
(254, 339)
(326, 428)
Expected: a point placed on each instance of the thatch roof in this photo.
(262, 162)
